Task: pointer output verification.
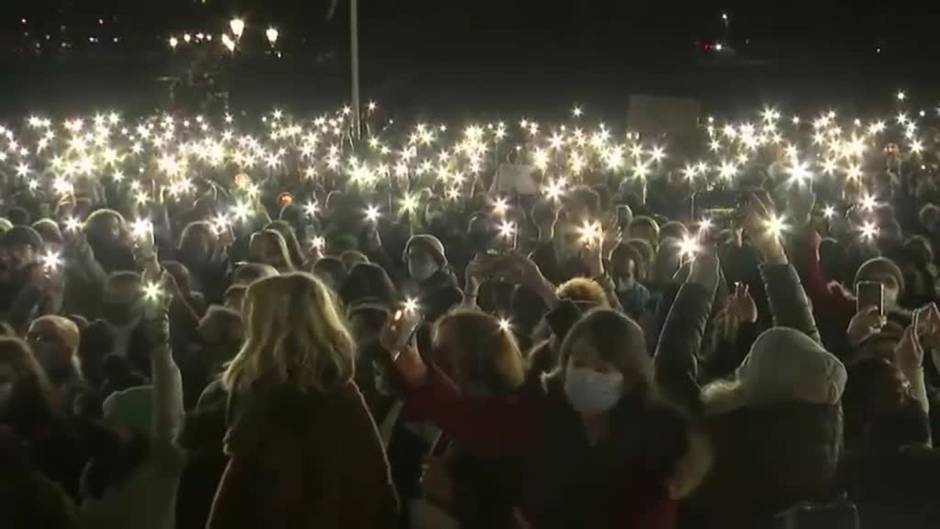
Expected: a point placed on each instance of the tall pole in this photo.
(354, 52)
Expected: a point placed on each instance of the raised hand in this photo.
(763, 228)
(866, 323)
(741, 305)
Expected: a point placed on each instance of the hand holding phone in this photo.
(398, 339)
(400, 328)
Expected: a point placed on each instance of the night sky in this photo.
(460, 57)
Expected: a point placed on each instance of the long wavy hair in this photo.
(295, 335)
(482, 353)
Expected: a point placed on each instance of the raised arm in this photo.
(488, 427)
(789, 305)
(166, 379)
(675, 364)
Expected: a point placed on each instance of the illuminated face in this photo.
(421, 265)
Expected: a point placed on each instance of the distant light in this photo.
(901, 96)
(372, 106)
(187, 37)
(719, 47)
(796, 120)
(174, 42)
(577, 112)
(237, 26)
(505, 325)
(923, 113)
(877, 50)
(272, 34)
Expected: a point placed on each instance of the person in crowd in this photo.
(28, 408)
(246, 273)
(331, 271)
(234, 296)
(294, 249)
(25, 284)
(626, 269)
(55, 341)
(28, 497)
(586, 459)
(109, 236)
(269, 247)
(645, 229)
(133, 478)
(484, 361)
(435, 286)
(301, 443)
(787, 383)
(201, 251)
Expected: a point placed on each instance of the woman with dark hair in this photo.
(27, 407)
(109, 237)
(205, 255)
(294, 249)
(597, 448)
(269, 247)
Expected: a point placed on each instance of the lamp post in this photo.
(354, 56)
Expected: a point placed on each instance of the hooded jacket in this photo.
(773, 450)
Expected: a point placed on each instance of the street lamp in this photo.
(238, 27)
(272, 35)
(174, 42)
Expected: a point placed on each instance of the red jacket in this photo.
(832, 306)
(567, 483)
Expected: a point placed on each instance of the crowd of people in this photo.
(519, 329)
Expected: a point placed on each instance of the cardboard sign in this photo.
(515, 178)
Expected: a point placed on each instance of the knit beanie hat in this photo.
(785, 365)
(22, 236)
(880, 266)
(429, 244)
(131, 409)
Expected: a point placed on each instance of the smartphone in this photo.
(870, 294)
(406, 322)
(722, 208)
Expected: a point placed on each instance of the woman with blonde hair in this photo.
(269, 247)
(303, 450)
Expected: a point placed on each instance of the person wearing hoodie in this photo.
(302, 447)
(435, 286)
(776, 424)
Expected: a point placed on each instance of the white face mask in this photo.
(592, 392)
